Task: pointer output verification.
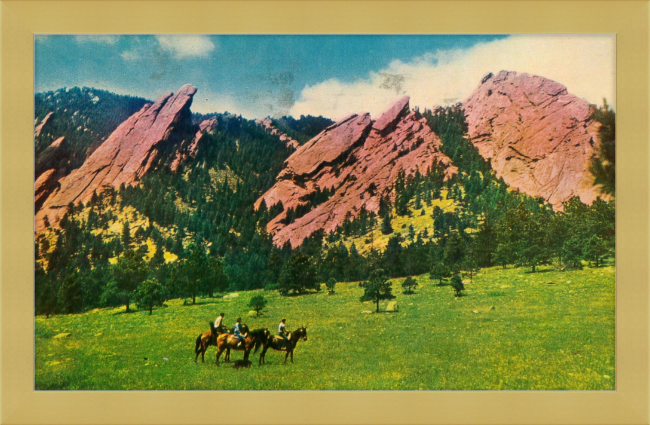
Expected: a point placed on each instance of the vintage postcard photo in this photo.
(324, 212)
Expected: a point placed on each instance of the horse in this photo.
(206, 340)
(228, 342)
(276, 342)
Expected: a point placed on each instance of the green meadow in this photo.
(512, 330)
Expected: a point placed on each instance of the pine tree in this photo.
(377, 288)
(150, 294)
(331, 284)
(126, 235)
(409, 284)
(457, 284)
(128, 273)
(386, 227)
(439, 271)
(257, 303)
(297, 275)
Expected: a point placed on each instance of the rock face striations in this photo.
(538, 137)
(127, 154)
(357, 161)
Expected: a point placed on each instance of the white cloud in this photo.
(99, 39)
(184, 46)
(584, 64)
(130, 55)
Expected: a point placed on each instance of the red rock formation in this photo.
(43, 187)
(359, 160)
(46, 159)
(189, 149)
(538, 137)
(39, 128)
(267, 124)
(126, 155)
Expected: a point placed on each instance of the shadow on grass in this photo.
(539, 271)
(202, 302)
(302, 294)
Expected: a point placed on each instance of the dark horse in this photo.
(208, 339)
(227, 342)
(276, 343)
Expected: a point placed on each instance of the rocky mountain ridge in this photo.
(126, 155)
(357, 160)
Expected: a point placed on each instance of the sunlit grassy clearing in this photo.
(512, 330)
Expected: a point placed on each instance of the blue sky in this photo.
(332, 75)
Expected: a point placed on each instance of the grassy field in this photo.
(514, 330)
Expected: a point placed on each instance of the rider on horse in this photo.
(282, 332)
(218, 325)
(238, 331)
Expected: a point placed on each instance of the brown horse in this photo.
(276, 343)
(206, 340)
(227, 342)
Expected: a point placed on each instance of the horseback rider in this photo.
(238, 331)
(282, 332)
(218, 324)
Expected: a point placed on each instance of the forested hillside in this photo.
(196, 231)
(84, 116)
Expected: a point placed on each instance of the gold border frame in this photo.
(20, 20)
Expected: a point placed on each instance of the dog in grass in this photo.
(242, 364)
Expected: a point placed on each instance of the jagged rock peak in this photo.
(389, 118)
(39, 128)
(539, 138)
(357, 161)
(127, 154)
(328, 146)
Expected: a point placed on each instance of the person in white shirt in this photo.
(283, 332)
(218, 325)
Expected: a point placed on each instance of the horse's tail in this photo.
(213, 332)
(198, 344)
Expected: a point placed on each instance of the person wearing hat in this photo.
(283, 332)
(238, 331)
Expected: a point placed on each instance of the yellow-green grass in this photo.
(377, 240)
(513, 330)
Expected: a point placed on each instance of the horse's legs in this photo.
(285, 357)
(291, 356)
(219, 351)
(227, 356)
